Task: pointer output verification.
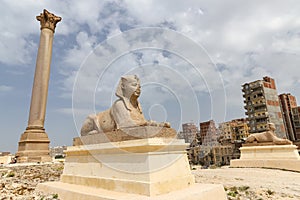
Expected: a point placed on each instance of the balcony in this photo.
(251, 117)
(261, 116)
(259, 104)
(261, 109)
(261, 123)
(255, 85)
(258, 91)
(246, 91)
(260, 98)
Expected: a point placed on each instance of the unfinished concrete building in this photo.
(226, 131)
(222, 155)
(262, 106)
(189, 132)
(287, 102)
(217, 155)
(241, 129)
(236, 129)
(208, 133)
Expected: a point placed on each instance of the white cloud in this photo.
(76, 55)
(250, 39)
(241, 37)
(247, 40)
(5, 88)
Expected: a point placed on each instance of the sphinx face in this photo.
(272, 126)
(132, 87)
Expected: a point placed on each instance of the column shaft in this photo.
(41, 80)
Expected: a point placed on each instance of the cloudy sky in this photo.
(191, 56)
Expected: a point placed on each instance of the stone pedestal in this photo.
(271, 156)
(34, 147)
(124, 134)
(152, 168)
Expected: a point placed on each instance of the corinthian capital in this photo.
(48, 20)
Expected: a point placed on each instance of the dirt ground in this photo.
(19, 182)
(253, 183)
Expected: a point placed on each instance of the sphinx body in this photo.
(267, 137)
(125, 111)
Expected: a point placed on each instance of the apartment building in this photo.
(262, 106)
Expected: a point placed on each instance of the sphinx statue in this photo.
(267, 137)
(125, 112)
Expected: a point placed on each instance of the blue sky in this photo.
(192, 58)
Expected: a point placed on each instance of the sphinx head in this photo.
(271, 126)
(129, 86)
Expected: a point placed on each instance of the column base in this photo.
(34, 146)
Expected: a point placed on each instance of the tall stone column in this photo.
(34, 142)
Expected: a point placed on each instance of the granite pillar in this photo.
(34, 142)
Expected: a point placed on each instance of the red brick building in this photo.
(287, 102)
(208, 133)
(296, 121)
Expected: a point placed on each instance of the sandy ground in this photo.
(19, 182)
(253, 183)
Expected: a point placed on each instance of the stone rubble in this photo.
(19, 181)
